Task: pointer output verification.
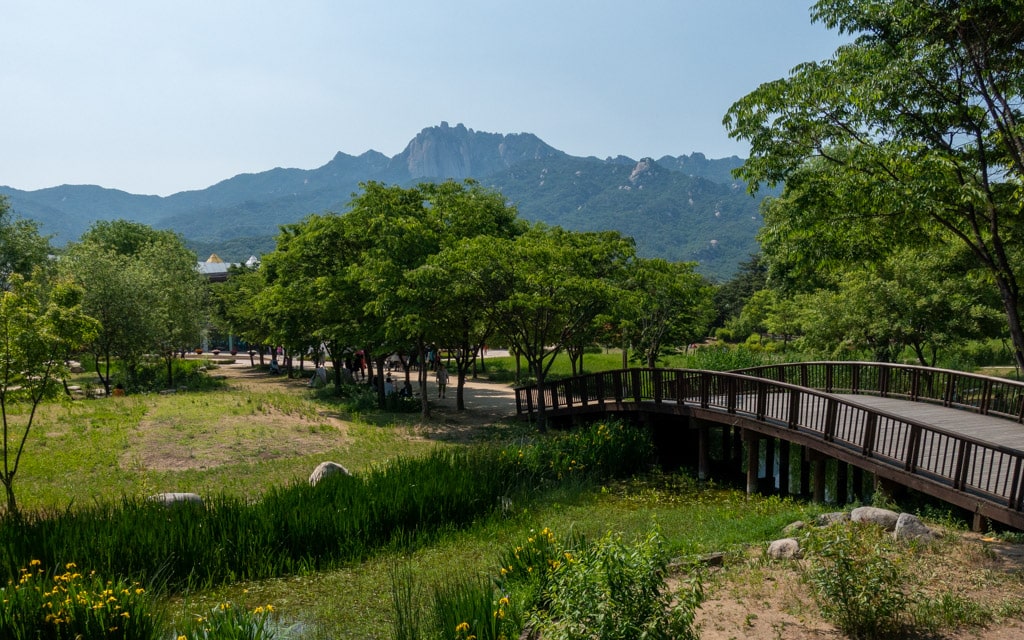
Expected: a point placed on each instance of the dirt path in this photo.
(486, 402)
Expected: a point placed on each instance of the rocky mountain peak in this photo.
(458, 152)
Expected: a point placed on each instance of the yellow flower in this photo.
(182, 638)
(70, 565)
(503, 602)
(35, 563)
(462, 627)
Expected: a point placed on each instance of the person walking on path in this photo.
(442, 380)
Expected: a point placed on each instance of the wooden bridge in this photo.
(958, 437)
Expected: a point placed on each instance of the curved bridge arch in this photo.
(970, 468)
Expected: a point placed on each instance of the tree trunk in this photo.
(1011, 304)
(12, 503)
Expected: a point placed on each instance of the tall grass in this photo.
(298, 528)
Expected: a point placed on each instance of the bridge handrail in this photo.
(953, 460)
(987, 395)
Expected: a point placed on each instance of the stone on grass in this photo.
(325, 469)
(874, 515)
(176, 498)
(784, 549)
(910, 527)
(827, 519)
(793, 527)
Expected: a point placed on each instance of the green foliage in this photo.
(611, 590)
(858, 579)
(868, 173)
(299, 528)
(227, 621)
(38, 605)
(729, 358)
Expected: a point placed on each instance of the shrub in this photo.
(614, 591)
(857, 579)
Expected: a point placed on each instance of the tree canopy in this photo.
(909, 135)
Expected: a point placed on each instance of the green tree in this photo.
(233, 303)
(908, 135)
(38, 326)
(918, 299)
(143, 287)
(559, 282)
(21, 246)
(309, 295)
(730, 296)
(669, 304)
(115, 294)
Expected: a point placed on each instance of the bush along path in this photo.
(307, 528)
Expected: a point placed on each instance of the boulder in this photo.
(882, 517)
(827, 519)
(176, 498)
(784, 549)
(325, 469)
(794, 527)
(910, 527)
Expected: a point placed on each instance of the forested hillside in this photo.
(685, 208)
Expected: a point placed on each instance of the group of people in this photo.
(356, 365)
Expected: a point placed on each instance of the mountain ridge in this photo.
(676, 207)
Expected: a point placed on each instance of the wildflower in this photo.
(35, 563)
(182, 638)
(462, 627)
(71, 565)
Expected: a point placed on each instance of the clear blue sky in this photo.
(160, 97)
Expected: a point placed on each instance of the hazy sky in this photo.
(160, 97)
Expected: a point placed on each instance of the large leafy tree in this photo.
(669, 305)
(559, 283)
(143, 287)
(308, 295)
(909, 135)
(21, 246)
(917, 298)
(40, 323)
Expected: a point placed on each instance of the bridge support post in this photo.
(753, 460)
(703, 459)
(805, 472)
(842, 479)
(769, 462)
(784, 467)
(979, 523)
(819, 479)
(737, 445)
(817, 462)
(858, 484)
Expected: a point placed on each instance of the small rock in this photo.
(715, 559)
(910, 527)
(834, 517)
(793, 527)
(176, 498)
(784, 549)
(882, 517)
(325, 469)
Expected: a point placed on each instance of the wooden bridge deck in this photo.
(956, 436)
(992, 429)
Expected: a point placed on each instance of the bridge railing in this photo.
(957, 462)
(984, 394)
